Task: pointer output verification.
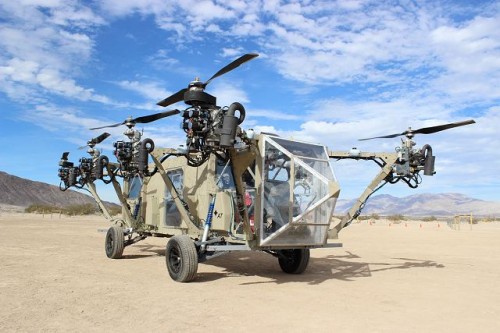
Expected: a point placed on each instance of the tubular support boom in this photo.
(386, 162)
(98, 200)
(125, 211)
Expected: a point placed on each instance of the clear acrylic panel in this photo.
(297, 203)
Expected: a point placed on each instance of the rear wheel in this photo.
(181, 258)
(293, 261)
(114, 242)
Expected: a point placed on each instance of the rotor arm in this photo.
(380, 158)
(405, 164)
(388, 160)
(97, 198)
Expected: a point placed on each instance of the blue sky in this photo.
(329, 72)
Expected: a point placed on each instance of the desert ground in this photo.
(406, 277)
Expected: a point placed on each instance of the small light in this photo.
(354, 152)
(251, 134)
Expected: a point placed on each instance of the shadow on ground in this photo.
(346, 267)
(146, 251)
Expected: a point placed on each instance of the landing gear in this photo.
(114, 242)
(293, 261)
(181, 258)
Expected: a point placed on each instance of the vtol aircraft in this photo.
(230, 189)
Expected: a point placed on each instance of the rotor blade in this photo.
(100, 138)
(383, 137)
(177, 97)
(153, 117)
(65, 156)
(426, 130)
(241, 60)
(114, 125)
(434, 129)
(96, 140)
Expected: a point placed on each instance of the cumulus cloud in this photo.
(152, 91)
(41, 47)
(350, 41)
(379, 67)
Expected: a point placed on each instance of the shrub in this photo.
(429, 218)
(84, 209)
(42, 209)
(114, 210)
(396, 218)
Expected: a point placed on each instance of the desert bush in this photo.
(83, 209)
(429, 218)
(491, 219)
(42, 209)
(396, 218)
(115, 210)
(373, 216)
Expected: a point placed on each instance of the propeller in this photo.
(130, 122)
(425, 130)
(179, 96)
(95, 141)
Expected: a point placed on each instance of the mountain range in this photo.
(443, 204)
(20, 192)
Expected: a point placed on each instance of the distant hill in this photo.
(444, 204)
(16, 191)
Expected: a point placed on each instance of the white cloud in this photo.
(127, 7)
(227, 93)
(62, 120)
(387, 66)
(270, 114)
(470, 58)
(149, 90)
(71, 14)
(41, 48)
(231, 52)
(350, 41)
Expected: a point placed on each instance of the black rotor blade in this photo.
(434, 129)
(241, 60)
(153, 117)
(177, 97)
(426, 130)
(383, 137)
(114, 125)
(100, 138)
(96, 140)
(65, 156)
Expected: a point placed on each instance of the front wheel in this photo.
(293, 261)
(181, 258)
(114, 242)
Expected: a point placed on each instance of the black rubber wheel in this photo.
(181, 258)
(114, 242)
(293, 261)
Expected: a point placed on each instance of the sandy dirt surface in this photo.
(55, 277)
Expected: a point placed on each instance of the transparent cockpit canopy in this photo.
(297, 193)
